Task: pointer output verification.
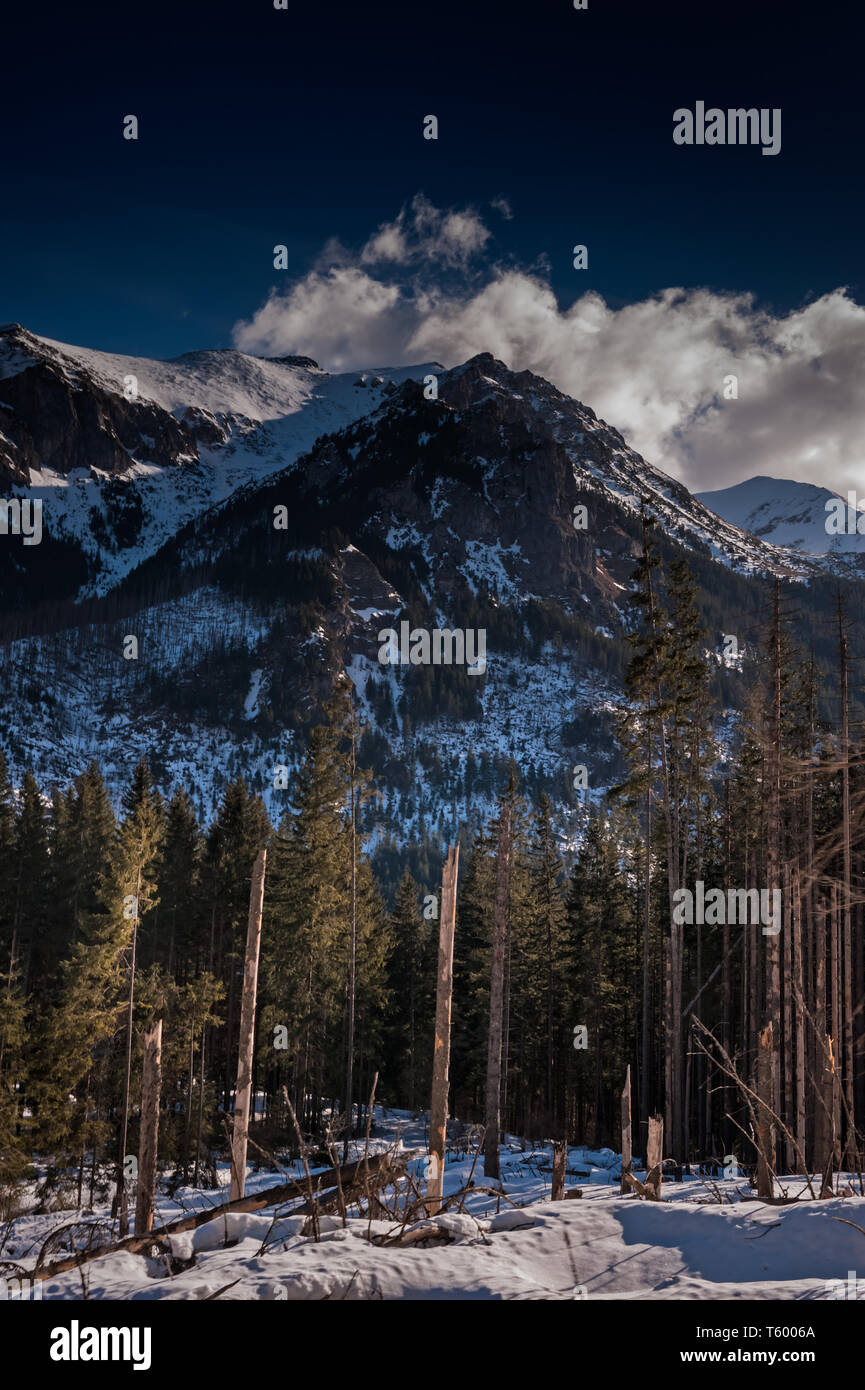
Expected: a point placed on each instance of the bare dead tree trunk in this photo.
(200, 1120)
(243, 1089)
(627, 1156)
(352, 954)
(821, 1124)
(816, 953)
(725, 977)
(187, 1128)
(835, 968)
(829, 1107)
(773, 861)
(787, 1000)
(647, 923)
(846, 928)
(492, 1116)
(560, 1158)
(120, 1197)
(151, 1090)
(438, 1114)
(859, 1008)
(800, 1021)
(765, 1128)
(655, 1158)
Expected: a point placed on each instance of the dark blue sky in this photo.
(260, 126)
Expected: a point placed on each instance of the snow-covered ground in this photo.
(517, 1245)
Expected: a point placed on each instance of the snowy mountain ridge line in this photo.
(234, 420)
(222, 381)
(246, 418)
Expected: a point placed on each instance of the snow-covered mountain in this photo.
(469, 498)
(798, 516)
(124, 451)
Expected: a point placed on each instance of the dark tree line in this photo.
(571, 963)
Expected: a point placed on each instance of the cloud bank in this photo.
(424, 286)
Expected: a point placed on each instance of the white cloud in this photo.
(422, 232)
(654, 369)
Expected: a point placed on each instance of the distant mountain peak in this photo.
(788, 513)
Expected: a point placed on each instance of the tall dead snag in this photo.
(151, 1089)
(846, 926)
(835, 967)
(120, 1203)
(830, 1155)
(772, 1016)
(243, 1089)
(438, 1113)
(787, 1010)
(627, 1159)
(560, 1159)
(352, 953)
(726, 991)
(655, 1158)
(765, 1127)
(798, 989)
(820, 1024)
(492, 1117)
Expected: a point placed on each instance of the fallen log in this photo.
(351, 1175)
(364, 1186)
(420, 1233)
(775, 1201)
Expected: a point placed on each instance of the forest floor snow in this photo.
(602, 1246)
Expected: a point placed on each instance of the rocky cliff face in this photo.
(123, 452)
(59, 420)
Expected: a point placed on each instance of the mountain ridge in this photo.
(452, 507)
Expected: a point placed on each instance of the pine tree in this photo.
(134, 881)
(546, 922)
(409, 988)
(601, 971)
(32, 869)
(174, 941)
(14, 1052)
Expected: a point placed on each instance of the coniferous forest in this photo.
(747, 1038)
(432, 696)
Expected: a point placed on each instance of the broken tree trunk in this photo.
(560, 1159)
(243, 1089)
(765, 1128)
(828, 1102)
(438, 1114)
(654, 1158)
(627, 1160)
(151, 1087)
